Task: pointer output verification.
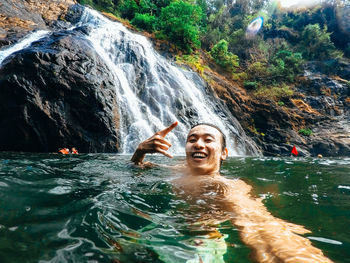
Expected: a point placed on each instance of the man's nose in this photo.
(199, 144)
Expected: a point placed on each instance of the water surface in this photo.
(100, 208)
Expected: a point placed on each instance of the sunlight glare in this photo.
(298, 3)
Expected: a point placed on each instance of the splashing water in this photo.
(152, 92)
(26, 42)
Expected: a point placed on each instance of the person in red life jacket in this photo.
(64, 151)
(74, 151)
(295, 151)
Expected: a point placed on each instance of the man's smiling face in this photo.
(204, 151)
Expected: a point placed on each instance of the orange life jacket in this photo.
(64, 151)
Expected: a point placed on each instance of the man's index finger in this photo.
(164, 132)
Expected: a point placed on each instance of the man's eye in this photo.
(208, 140)
(192, 140)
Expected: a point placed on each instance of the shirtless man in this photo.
(271, 239)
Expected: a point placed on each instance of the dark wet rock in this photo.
(320, 104)
(57, 93)
(74, 13)
(334, 67)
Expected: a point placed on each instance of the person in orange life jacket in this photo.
(64, 151)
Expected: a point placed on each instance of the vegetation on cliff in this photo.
(266, 63)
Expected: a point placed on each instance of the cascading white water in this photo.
(25, 42)
(152, 92)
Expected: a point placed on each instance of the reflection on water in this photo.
(99, 208)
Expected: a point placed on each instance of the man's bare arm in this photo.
(272, 239)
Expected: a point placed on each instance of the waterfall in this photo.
(25, 42)
(153, 93)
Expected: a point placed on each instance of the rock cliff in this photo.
(320, 104)
(18, 17)
(58, 93)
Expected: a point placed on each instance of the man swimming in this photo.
(272, 239)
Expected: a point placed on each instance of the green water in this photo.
(99, 208)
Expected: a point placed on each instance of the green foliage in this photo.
(179, 22)
(203, 20)
(193, 61)
(274, 65)
(306, 132)
(285, 65)
(275, 92)
(87, 2)
(144, 21)
(107, 5)
(348, 83)
(160, 4)
(280, 103)
(316, 43)
(250, 84)
(128, 9)
(223, 57)
(147, 7)
(273, 58)
(258, 71)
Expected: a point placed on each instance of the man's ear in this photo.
(224, 154)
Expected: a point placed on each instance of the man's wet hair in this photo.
(223, 142)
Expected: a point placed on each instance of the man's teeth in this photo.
(199, 155)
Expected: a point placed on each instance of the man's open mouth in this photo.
(199, 155)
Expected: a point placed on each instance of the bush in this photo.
(223, 57)
(258, 71)
(285, 65)
(276, 93)
(147, 7)
(193, 60)
(179, 22)
(87, 2)
(128, 8)
(306, 132)
(250, 84)
(107, 5)
(316, 43)
(144, 21)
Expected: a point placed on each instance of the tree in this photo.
(144, 21)
(223, 57)
(180, 23)
(128, 9)
(108, 5)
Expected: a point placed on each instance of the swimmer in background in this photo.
(64, 151)
(271, 239)
(74, 151)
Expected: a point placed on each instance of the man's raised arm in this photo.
(155, 144)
